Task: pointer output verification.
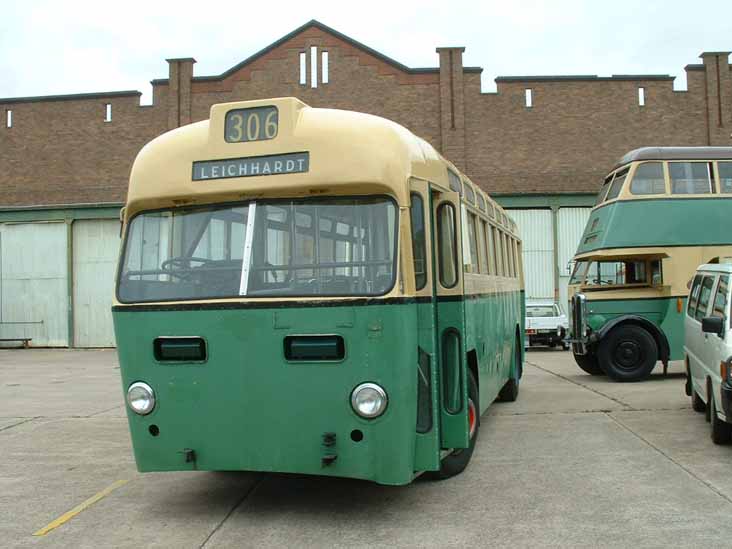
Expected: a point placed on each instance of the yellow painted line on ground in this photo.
(79, 508)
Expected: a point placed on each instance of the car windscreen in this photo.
(541, 311)
(309, 247)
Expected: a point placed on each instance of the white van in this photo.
(708, 348)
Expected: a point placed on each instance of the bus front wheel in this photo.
(588, 363)
(628, 353)
(456, 462)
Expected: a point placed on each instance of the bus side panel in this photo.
(427, 449)
(247, 408)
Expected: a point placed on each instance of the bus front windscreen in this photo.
(311, 247)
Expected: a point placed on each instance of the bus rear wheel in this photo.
(588, 363)
(458, 460)
(628, 353)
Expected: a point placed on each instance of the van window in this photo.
(719, 307)
(693, 295)
(704, 295)
(648, 179)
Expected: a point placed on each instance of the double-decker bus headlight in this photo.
(141, 398)
(369, 400)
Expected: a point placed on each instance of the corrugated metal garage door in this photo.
(535, 228)
(571, 224)
(34, 283)
(96, 246)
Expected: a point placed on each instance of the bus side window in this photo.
(704, 295)
(693, 295)
(482, 246)
(490, 248)
(719, 305)
(656, 272)
(447, 245)
(418, 241)
(472, 240)
(497, 251)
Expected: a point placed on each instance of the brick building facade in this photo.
(62, 160)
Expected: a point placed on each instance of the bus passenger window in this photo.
(447, 245)
(704, 295)
(724, 169)
(690, 177)
(497, 251)
(617, 185)
(648, 179)
(473, 243)
(419, 254)
(719, 305)
(656, 273)
(491, 255)
(482, 247)
(693, 295)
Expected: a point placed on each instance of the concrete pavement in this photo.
(577, 461)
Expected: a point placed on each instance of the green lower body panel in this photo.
(248, 408)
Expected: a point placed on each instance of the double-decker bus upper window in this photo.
(603, 190)
(724, 169)
(617, 184)
(648, 179)
(418, 241)
(690, 177)
(199, 253)
(447, 245)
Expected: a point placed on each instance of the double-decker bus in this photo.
(312, 291)
(661, 212)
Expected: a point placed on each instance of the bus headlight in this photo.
(369, 400)
(141, 398)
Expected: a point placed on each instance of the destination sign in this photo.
(275, 164)
(254, 124)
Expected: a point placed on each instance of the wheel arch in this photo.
(664, 349)
(473, 365)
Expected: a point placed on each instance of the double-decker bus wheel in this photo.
(628, 353)
(457, 461)
(588, 363)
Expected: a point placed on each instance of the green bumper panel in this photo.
(248, 408)
(662, 313)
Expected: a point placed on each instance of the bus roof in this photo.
(348, 151)
(675, 153)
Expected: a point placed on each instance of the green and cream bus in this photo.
(312, 291)
(661, 212)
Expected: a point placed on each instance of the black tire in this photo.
(697, 404)
(510, 391)
(458, 460)
(628, 353)
(721, 431)
(588, 363)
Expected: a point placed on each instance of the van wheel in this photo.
(628, 353)
(458, 460)
(697, 404)
(588, 363)
(721, 430)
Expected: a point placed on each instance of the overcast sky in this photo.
(49, 47)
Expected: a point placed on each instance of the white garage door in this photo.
(96, 247)
(535, 228)
(571, 224)
(34, 283)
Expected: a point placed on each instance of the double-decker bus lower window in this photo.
(648, 179)
(322, 247)
(690, 177)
